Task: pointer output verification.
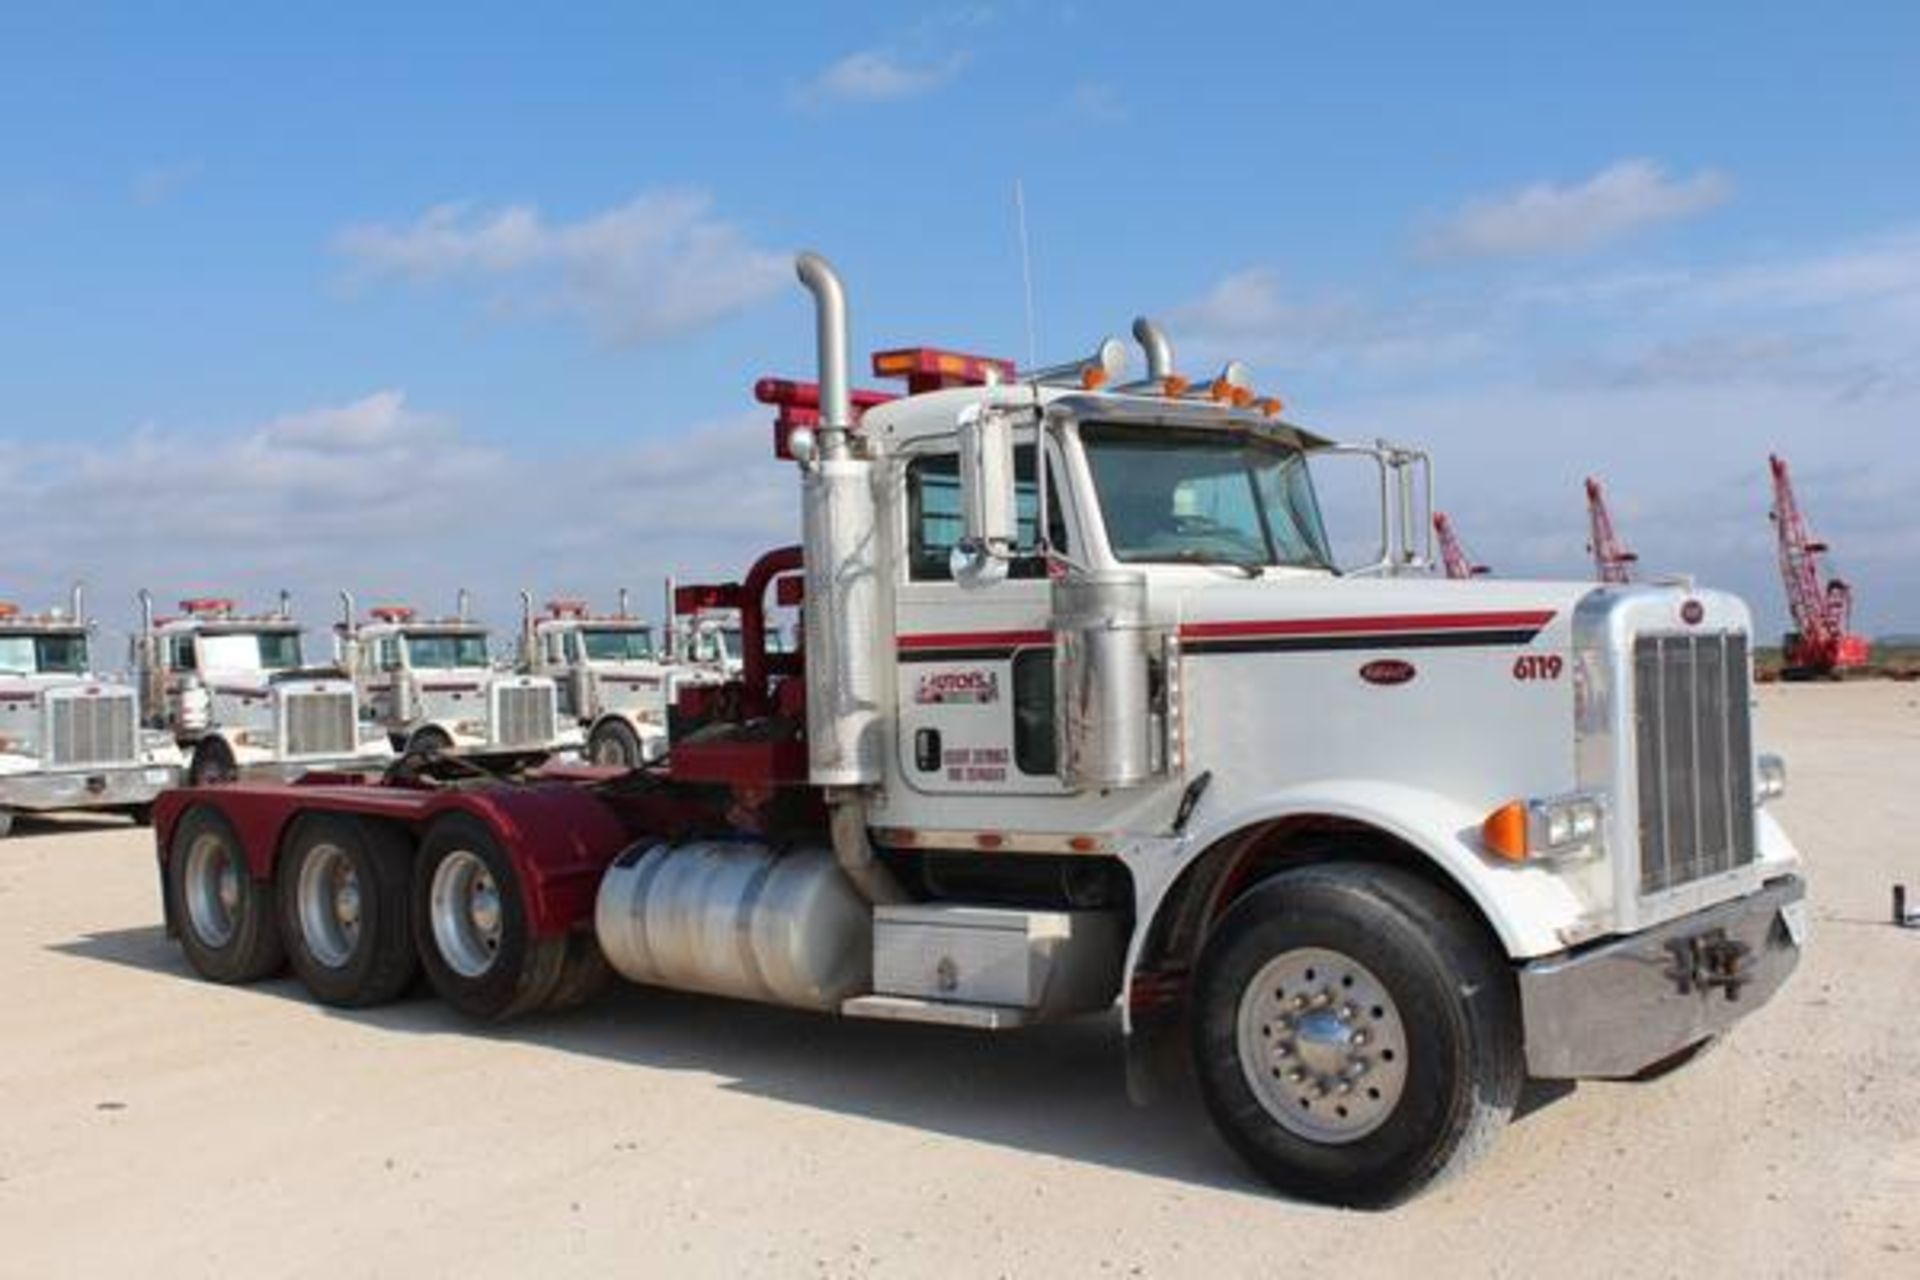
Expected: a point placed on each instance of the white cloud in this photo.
(658, 266)
(1248, 315)
(873, 75)
(1546, 218)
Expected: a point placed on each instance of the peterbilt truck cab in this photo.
(1088, 714)
(69, 737)
(235, 692)
(612, 683)
(433, 686)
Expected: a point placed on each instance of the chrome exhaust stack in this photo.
(830, 339)
(1161, 380)
(346, 649)
(670, 631)
(77, 603)
(842, 611)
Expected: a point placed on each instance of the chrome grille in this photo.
(93, 729)
(320, 723)
(1694, 752)
(523, 717)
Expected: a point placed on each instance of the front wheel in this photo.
(470, 923)
(213, 764)
(614, 743)
(1355, 1035)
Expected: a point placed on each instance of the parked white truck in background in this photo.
(70, 738)
(612, 683)
(433, 687)
(235, 693)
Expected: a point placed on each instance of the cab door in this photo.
(975, 665)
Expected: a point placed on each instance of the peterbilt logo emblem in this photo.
(1693, 613)
(1387, 671)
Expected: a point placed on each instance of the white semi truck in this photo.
(71, 738)
(433, 687)
(612, 682)
(1085, 714)
(234, 691)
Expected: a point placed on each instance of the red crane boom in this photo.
(1820, 643)
(1452, 554)
(1612, 562)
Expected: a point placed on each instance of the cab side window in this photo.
(935, 523)
(180, 653)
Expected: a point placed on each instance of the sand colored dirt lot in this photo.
(154, 1125)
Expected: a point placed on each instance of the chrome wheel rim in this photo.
(467, 913)
(329, 903)
(1322, 1045)
(213, 889)
(608, 750)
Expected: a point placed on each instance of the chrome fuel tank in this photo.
(737, 918)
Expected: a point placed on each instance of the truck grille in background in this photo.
(320, 724)
(523, 717)
(1694, 749)
(97, 729)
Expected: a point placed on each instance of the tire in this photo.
(470, 925)
(1404, 1061)
(226, 918)
(345, 890)
(614, 743)
(212, 765)
(429, 741)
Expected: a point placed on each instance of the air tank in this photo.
(737, 918)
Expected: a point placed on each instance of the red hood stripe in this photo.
(1375, 624)
(974, 639)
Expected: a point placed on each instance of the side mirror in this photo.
(986, 497)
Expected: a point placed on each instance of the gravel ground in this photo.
(154, 1125)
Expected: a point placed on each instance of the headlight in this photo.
(1563, 824)
(1773, 779)
(1555, 827)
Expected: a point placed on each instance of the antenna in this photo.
(1026, 271)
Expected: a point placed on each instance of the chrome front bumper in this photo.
(111, 787)
(1619, 1006)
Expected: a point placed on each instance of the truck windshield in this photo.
(250, 651)
(618, 646)
(44, 655)
(1204, 497)
(444, 650)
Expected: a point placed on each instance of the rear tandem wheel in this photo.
(470, 924)
(345, 890)
(225, 916)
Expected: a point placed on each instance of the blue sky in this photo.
(400, 299)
